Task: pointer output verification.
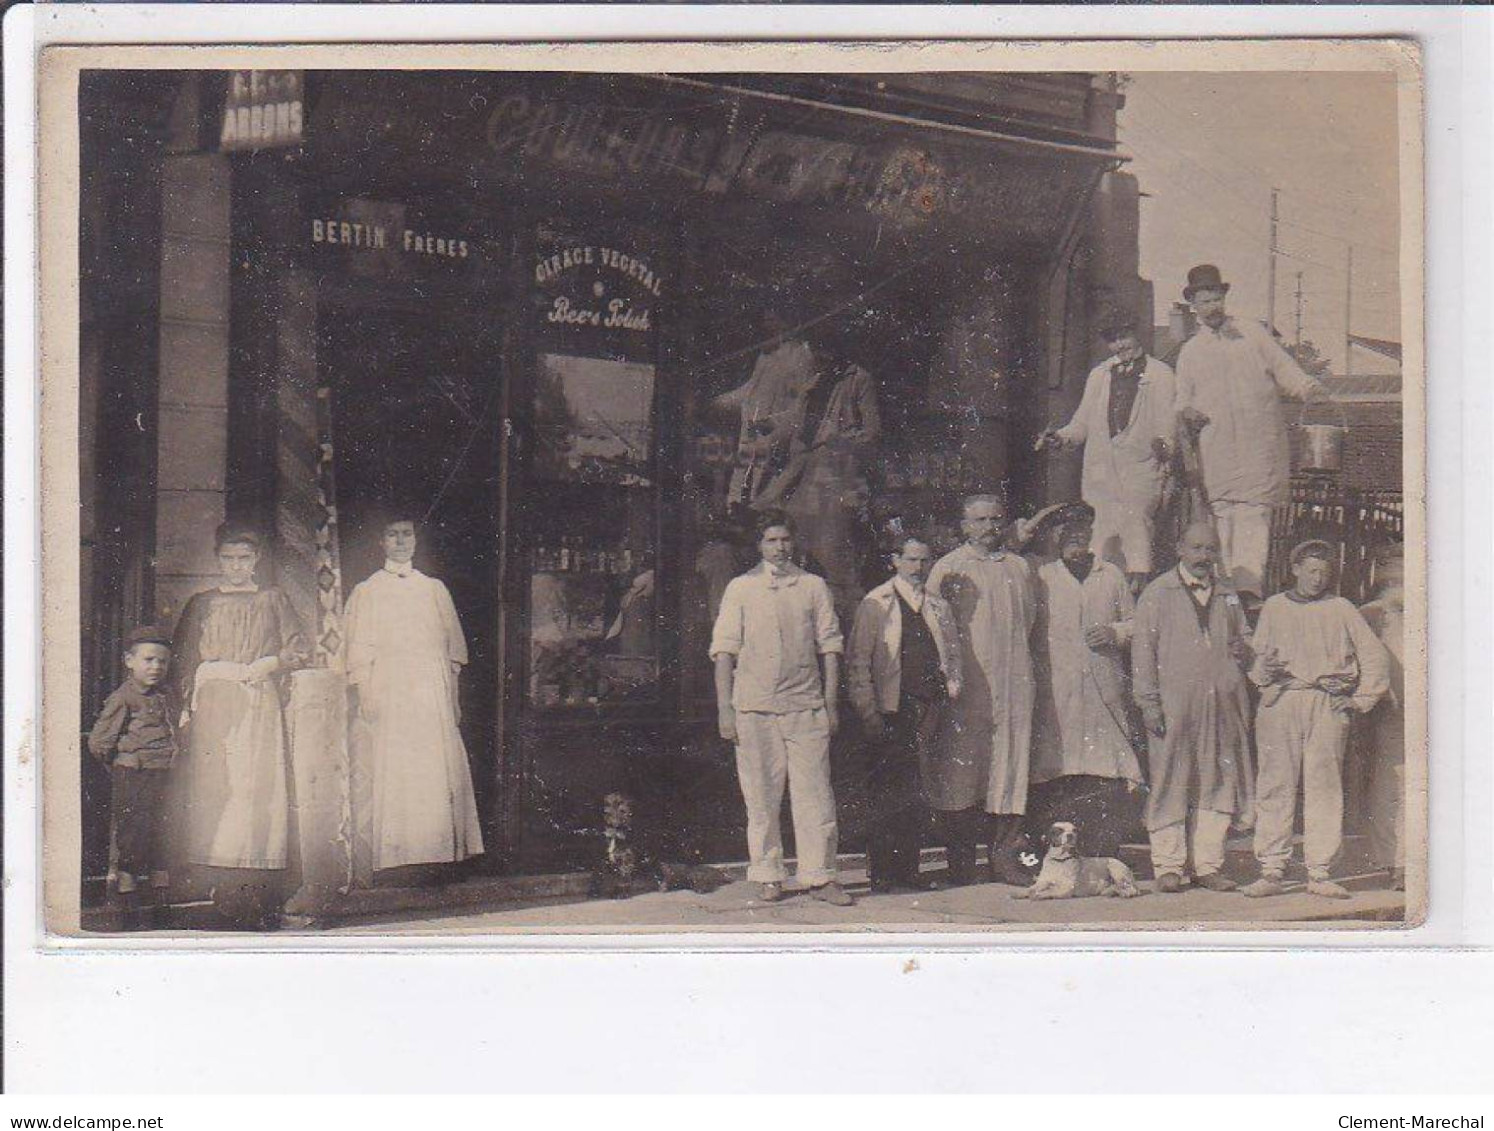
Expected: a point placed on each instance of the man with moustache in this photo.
(977, 779)
(1125, 423)
(1230, 378)
(904, 670)
(1188, 661)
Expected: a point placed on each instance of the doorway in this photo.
(417, 406)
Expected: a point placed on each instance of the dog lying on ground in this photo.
(1067, 875)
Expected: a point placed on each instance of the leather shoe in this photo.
(1169, 883)
(1214, 882)
(833, 894)
(770, 893)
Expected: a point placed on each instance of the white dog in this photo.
(1067, 875)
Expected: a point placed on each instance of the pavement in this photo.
(977, 908)
(559, 904)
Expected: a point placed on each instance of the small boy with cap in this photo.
(1317, 664)
(136, 738)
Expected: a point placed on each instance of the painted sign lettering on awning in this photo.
(262, 109)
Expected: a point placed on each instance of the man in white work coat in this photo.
(1084, 763)
(1125, 423)
(979, 763)
(1231, 376)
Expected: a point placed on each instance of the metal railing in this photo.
(1357, 522)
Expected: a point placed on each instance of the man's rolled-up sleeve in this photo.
(827, 638)
(726, 637)
(1374, 661)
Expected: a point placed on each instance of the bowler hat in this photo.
(1204, 277)
(1117, 326)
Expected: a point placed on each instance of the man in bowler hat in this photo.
(1230, 378)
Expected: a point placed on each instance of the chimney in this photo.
(1181, 323)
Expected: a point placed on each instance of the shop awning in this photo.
(668, 136)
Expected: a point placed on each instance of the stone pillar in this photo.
(1115, 235)
(192, 426)
(310, 572)
(1181, 322)
(321, 782)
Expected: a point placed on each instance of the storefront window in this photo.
(593, 518)
(851, 388)
(593, 420)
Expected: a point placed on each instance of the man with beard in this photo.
(1084, 764)
(1231, 376)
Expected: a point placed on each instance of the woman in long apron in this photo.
(235, 643)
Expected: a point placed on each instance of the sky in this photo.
(1208, 148)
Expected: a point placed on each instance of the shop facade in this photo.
(525, 306)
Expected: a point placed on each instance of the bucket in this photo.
(1321, 445)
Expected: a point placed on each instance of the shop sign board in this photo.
(592, 294)
(600, 139)
(905, 184)
(523, 130)
(388, 238)
(262, 110)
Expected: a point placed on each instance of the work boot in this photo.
(770, 892)
(1270, 883)
(1169, 883)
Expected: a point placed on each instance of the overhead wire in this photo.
(1294, 194)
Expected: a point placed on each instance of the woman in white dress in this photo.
(405, 653)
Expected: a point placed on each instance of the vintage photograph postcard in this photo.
(969, 489)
